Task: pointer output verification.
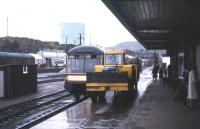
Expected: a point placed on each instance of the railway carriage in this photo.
(81, 59)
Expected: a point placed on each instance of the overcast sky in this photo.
(39, 19)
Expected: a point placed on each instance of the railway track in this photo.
(29, 113)
(50, 78)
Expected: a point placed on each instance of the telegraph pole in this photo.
(66, 40)
(7, 25)
(80, 39)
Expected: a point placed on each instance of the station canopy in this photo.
(158, 24)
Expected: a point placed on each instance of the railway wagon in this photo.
(81, 59)
(18, 74)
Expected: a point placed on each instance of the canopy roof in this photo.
(158, 24)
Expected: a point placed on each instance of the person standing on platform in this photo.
(164, 74)
(161, 73)
(192, 89)
(169, 71)
(155, 72)
(185, 85)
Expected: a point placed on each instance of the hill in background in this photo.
(28, 45)
(129, 45)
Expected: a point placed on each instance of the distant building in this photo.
(144, 54)
(39, 60)
(53, 58)
(72, 33)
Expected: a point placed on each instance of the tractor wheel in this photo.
(130, 89)
(93, 97)
(102, 98)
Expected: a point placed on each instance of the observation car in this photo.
(81, 59)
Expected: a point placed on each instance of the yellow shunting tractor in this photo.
(114, 75)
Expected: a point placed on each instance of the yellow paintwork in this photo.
(103, 88)
(115, 52)
(118, 88)
(121, 68)
(107, 84)
(112, 86)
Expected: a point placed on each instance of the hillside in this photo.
(28, 45)
(130, 45)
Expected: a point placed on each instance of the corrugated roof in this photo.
(158, 24)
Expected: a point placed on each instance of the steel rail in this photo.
(50, 114)
(7, 113)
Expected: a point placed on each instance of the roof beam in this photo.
(129, 0)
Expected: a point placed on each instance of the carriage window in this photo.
(90, 63)
(88, 56)
(75, 65)
(93, 56)
(113, 59)
(81, 64)
(98, 56)
(79, 56)
(71, 56)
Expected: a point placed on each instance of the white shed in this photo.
(53, 58)
(38, 59)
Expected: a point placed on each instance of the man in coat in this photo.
(192, 89)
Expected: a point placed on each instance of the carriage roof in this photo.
(15, 55)
(83, 50)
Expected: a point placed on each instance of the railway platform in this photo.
(153, 109)
(158, 110)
